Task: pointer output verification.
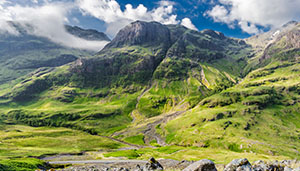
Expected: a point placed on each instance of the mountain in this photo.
(24, 53)
(174, 88)
(87, 34)
(261, 114)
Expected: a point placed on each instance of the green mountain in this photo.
(24, 53)
(202, 93)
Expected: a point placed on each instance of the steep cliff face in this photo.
(142, 34)
(286, 43)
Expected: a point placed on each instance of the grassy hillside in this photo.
(182, 95)
(259, 115)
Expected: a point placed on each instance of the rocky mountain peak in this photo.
(88, 34)
(213, 33)
(141, 33)
(290, 23)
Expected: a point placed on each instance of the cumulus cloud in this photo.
(249, 14)
(47, 21)
(110, 12)
(188, 24)
(46, 18)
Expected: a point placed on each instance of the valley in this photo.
(155, 90)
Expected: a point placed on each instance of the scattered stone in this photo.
(238, 165)
(202, 165)
(183, 164)
(287, 169)
(153, 165)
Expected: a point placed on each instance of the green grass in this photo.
(130, 154)
(22, 164)
(218, 155)
(263, 119)
(137, 139)
(25, 141)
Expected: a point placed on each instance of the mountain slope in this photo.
(87, 34)
(137, 73)
(260, 114)
(22, 54)
(162, 85)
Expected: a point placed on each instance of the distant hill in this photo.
(88, 34)
(24, 53)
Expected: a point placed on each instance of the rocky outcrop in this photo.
(142, 33)
(152, 165)
(238, 165)
(202, 165)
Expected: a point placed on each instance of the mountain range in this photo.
(162, 86)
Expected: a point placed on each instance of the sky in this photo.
(235, 18)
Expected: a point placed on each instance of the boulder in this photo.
(238, 165)
(202, 165)
(270, 166)
(259, 166)
(287, 169)
(153, 165)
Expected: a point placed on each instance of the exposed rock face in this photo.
(153, 165)
(272, 166)
(88, 34)
(142, 33)
(214, 34)
(202, 165)
(238, 165)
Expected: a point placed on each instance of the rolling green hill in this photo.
(166, 85)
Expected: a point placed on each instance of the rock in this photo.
(259, 166)
(287, 169)
(238, 165)
(202, 165)
(271, 166)
(183, 164)
(275, 166)
(153, 165)
(141, 33)
(297, 169)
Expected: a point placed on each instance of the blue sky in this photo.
(234, 18)
(193, 9)
(197, 12)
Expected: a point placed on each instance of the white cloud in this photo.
(46, 21)
(110, 12)
(47, 18)
(188, 24)
(249, 14)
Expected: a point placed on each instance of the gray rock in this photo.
(202, 165)
(238, 165)
(275, 166)
(152, 165)
(259, 165)
(287, 169)
(297, 169)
